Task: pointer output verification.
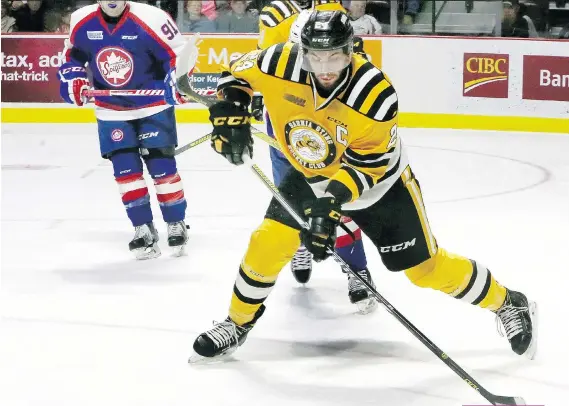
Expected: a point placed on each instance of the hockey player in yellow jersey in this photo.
(281, 21)
(335, 117)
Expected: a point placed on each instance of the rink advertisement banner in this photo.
(486, 75)
(29, 69)
(546, 78)
(30, 63)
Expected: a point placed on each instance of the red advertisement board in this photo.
(485, 75)
(29, 69)
(546, 78)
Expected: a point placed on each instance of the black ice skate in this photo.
(519, 319)
(177, 237)
(359, 294)
(222, 340)
(144, 245)
(301, 265)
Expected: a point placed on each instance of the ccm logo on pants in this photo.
(398, 247)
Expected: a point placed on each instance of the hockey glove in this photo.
(359, 47)
(323, 217)
(231, 135)
(257, 107)
(171, 94)
(73, 83)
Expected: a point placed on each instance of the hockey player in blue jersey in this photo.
(119, 45)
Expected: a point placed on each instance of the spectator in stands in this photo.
(361, 22)
(238, 19)
(411, 10)
(515, 23)
(29, 15)
(195, 20)
(209, 8)
(8, 22)
(58, 20)
(563, 34)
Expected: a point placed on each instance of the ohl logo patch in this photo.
(116, 66)
(310, 144)
(117, 135)
(486, 75)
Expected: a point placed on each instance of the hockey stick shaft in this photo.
(494, 399)
(126, 92)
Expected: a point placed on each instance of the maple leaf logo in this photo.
(116, 68)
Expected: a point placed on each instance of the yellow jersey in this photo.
(345, 144)
(277, 18)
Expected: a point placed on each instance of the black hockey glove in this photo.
(359, 47)
(257, 107)
(323, 216)
(231, 135)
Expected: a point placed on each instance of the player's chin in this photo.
(327, 79)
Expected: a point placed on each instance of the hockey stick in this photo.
(185, 69)
(494, 399)
(126, 92)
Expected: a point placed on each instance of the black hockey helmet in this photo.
(325, 33)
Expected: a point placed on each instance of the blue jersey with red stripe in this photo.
(134, 53)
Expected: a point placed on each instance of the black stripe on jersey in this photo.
(316, 179)
(485, 290)
(278, 10)
(369, 164)
(374, 81)
(303, 77)
(270, 17)
(253, 282)
(367, 157)
(355, 79)
(392, 112)
(292, 59)
(289, 7)
(470, 282)
(354, 175)
(368, 179)
(246, 299)
(379, 101)
(275, 59)
(392, 170)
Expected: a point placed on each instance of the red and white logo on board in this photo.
(117, 135)
(485, 75)
(546, 78)
(116, 66)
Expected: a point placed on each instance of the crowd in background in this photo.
(523, 19)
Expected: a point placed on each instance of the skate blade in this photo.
(179, 251)
(367, 306)
(145, 253)
(532, 349)
(196, 359)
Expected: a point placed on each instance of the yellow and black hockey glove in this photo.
(323, 217)
(359, 47)
(231, 135)
(257, 107)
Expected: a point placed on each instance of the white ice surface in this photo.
(82, 323)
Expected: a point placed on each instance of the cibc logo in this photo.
(486, 75)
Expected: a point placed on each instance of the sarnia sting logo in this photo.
(116, 66)
(310, 144)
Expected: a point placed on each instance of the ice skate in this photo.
(178, 237)
(359, 294)
(518, 317)
(301, 265)
(222, 340)
(144, 245)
